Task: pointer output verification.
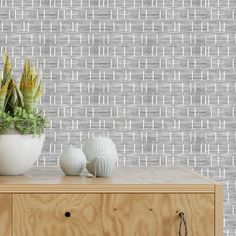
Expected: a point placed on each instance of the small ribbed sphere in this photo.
(72, 161)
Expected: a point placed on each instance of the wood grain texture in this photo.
(5, 214)
(125, 179)
(218, 210)
(112, 214)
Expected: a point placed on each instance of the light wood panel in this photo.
(5, 214)
(111, 214)
(125, 179)
(219, 210)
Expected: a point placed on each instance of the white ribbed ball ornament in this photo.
(100, 167)
(100, 148)
(72, 161)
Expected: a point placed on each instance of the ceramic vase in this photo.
(72, 161)
(100, 148)
(100, 167)
(18, 152)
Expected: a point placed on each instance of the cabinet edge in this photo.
(219, 209)
(109, 188)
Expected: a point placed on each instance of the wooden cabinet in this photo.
(5, 214)
(134, 201)
(112, 214)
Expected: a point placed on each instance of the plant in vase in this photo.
(21, 126)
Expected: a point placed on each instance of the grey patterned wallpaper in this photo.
(157, 76)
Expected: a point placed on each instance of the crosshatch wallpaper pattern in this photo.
(157, 76)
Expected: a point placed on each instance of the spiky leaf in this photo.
(30, 87)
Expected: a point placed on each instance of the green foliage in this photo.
(29, 123)
(18, 102)
(6, 122)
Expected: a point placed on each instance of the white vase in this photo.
(18, 152)
(100, 167)
(72, 161)
(100, 147)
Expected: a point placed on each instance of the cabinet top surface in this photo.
(123, 179)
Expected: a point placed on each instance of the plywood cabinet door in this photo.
(5, 214)
(111, 214)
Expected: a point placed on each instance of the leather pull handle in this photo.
(182, 223)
